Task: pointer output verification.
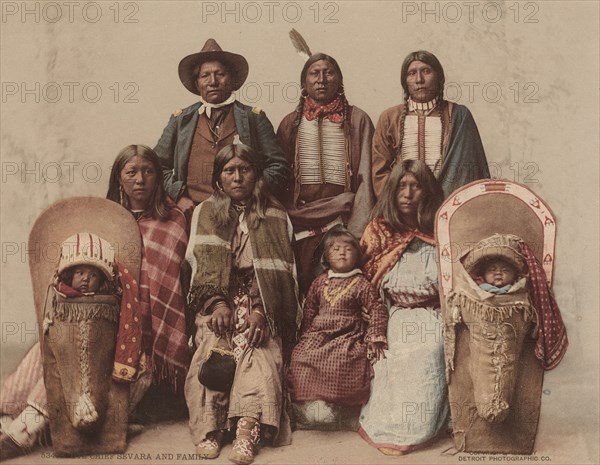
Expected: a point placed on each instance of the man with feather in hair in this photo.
(327, 142)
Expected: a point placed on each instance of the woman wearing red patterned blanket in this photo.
(136, 184)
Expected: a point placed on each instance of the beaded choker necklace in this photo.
(426, 107)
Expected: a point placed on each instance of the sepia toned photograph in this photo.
(299, 232)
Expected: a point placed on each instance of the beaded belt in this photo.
(315, 232)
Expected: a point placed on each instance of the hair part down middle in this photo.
(431, 200)
(259, 200)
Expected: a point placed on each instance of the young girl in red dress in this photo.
(343, 327)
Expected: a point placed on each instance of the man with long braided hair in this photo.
(427, 127)
(327, 141)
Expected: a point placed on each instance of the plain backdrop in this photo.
(80, 80)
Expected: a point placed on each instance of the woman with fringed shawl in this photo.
(408, 404)
(136, 183)
(243, 295)
(427, 127)
(327, 142)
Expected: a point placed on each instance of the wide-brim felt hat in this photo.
(498, 246)
(211, 51)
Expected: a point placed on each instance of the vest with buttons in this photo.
(202, 155)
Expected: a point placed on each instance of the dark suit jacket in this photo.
(254, 129)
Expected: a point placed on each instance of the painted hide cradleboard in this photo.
(492, 342)
(88, 410)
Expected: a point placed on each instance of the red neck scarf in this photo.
(333, 110)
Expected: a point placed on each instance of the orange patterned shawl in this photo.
(383, 248)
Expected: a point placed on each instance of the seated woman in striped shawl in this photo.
(244, 289)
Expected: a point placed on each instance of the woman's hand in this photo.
(376, 350)
(256, 323)
(221, 319)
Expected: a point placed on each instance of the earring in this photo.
(304, 93)
(341, 90)
(122, 196)
(219, 186)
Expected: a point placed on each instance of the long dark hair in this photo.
(431, 60)
(157, 205)
(303, 95)
(431, 197)
(260, 200)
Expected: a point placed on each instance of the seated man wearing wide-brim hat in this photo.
(194, 135)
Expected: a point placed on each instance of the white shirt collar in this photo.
(347, 274)
(207, 107)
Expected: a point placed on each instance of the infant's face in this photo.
(86, 278)
(342, 255)
(499, 273)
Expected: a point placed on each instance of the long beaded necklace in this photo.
(422, 111)
(333, 297)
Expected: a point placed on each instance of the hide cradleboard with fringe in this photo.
(78, 350)
(497, 346)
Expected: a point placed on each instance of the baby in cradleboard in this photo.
(82, 280)
(90, 285)
(344, 328)
(76, 281)
(83, 288)
(497, 265)
(498, 274)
